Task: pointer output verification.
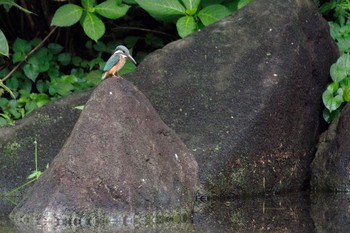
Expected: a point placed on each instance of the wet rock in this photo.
(244, 94)
(331, 212)
(330, 168)
(289, 213)
(50, 126)
(120, 164)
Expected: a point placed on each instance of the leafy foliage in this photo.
(61, 74)
(4, 48)
(338, 92)
(93, 26)
(36, 71)
(190, 15)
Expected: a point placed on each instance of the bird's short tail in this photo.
(103, 75)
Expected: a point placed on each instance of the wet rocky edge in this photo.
(99, 219)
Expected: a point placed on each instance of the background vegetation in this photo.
(49, 49)
(337, 12)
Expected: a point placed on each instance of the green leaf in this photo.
(93, 26)
(332, 97)
(80, 107)
(340, 69)
(186, 25)
(89, 5)
(338, 72)
(100, 46)
(3, 121)
(20, 48)
(4, 46)
(12, 3)
(330, 116)
(30, 106)
(167, 10)
(67, 15)
(243, 3)
(41, 99)
(191, 6)
(346, 94)
(31, 71)
(111, 10)
(12, 83)
(55, 48)
(61, 88)
(93, 77)
(64, 58)
(212, 14)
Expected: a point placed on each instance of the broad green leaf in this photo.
(93, 77)
(31, 71)
(67, 15)
(346, 94)
(338, 72)
(41, 99)
(333, 87)
(93, 26)
(64, 58)
(243, 3)
(341, 69)
(111, 10)
(3, 121)
(13, 3)
(12, 83)
(4, 46)
(327, 6)
(332, 100)
(334, 29)
(186, 25)
(55, 48)
(191, 6)
(20, 48)
(61, 88)
(89, 5)
(42, 86)
(212, 14)
(30, 106)
(168, 10)
(343, 44)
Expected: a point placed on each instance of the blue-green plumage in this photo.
(116, 61)
(112, 61)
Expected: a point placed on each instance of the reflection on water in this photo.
(302, 213)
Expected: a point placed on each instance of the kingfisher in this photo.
(116, 62)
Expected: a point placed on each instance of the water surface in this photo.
(295, 212)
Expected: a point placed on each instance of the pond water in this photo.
(296, 212)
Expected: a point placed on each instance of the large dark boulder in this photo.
(120, 164)
(331, 166)
(50, 126)
(244, 94)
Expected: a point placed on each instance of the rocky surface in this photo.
(121, 164)
(331, 166)
(244, 94)
(50, 126)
